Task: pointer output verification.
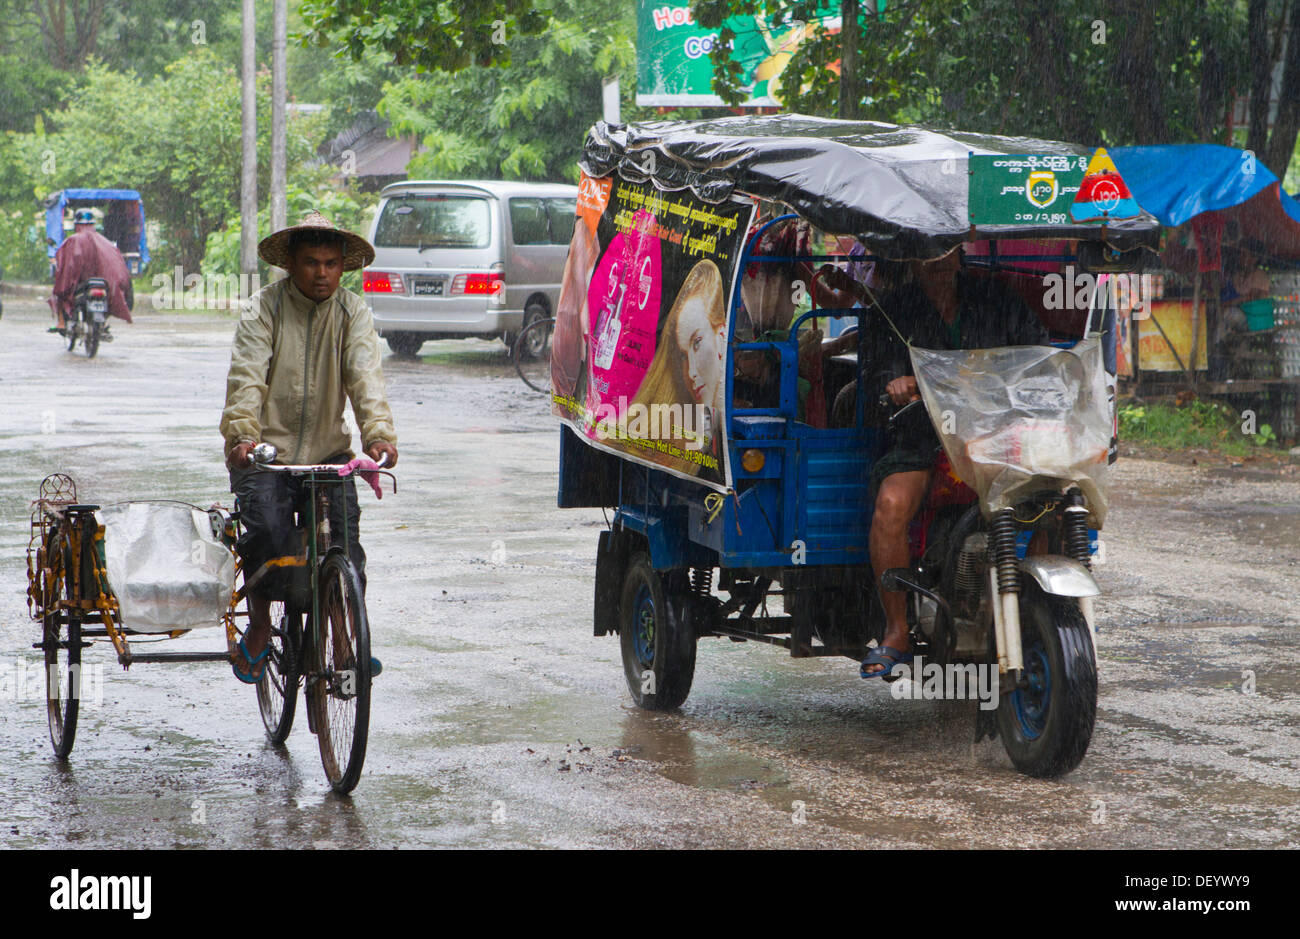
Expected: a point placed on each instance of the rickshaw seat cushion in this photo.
(166, 569)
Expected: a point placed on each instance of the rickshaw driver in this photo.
(302, 346)
(943, 307)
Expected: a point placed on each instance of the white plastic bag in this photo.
(165, 567)
(1021, 419)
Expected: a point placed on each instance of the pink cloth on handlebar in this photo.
(364, 466)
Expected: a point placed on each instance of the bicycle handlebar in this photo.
(262, 455)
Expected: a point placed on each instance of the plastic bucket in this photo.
(1259, 314)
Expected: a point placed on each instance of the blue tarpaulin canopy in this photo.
(1177, 182)
(57, 203)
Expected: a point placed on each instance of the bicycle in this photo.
(528, 352)
(320, 635)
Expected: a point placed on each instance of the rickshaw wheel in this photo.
(338, 674)
(1047, 725)
(277, 692)
(61, 710)
(658, 649)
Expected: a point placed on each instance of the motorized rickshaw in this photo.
(124, 221)
(750, 519)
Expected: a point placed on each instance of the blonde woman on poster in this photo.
(688, 368)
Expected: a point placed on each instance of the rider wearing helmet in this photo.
(85, 254)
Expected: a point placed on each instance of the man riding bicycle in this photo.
(85, 254)
(303, 348)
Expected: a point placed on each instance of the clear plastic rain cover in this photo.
(1021, 419)
(166, 568)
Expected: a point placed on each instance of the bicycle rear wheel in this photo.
(338, 676)
(529, 349)
(277, 692)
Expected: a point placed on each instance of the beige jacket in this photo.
(293, 364)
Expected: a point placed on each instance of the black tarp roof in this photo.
(901, 190)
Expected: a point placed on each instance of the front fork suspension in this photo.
(1004, 586)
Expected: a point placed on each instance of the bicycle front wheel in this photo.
(338, 677)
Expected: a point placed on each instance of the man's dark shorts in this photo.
(912, 449)
(267, 503)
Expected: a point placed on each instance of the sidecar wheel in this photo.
(658, 648)
(1046, 725)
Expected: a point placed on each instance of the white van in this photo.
(466, 258)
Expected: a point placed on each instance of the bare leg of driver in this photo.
(897, 503)
(259, 624)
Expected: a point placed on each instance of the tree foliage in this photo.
(447, 35)
(1094, 71)
(522, 120)
(174, 137)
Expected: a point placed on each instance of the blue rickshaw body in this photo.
(134, 248)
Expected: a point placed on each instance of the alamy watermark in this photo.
(659, 422)
(1074, 289)
(27, 681)
(930, 681)
(181, 291)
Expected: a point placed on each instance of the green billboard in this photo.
(673, 66)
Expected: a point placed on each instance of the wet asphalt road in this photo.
(500, 721)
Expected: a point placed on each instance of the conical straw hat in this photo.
(274, 249)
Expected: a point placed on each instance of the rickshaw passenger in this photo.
(940, 307)
(768, 308)
(304, 321)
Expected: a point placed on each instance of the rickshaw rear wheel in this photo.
(658, 647)
(1047, 724)
(61, 709)
(277, 692)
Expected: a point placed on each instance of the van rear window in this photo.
(434, 221)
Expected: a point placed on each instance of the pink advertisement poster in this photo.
(639, 352)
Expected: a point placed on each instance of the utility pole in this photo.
(850, 92)
(279, 83)
(248, 178)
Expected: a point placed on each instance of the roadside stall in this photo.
(1232, 255)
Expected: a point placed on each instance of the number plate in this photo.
(98, 306)
(427, 287)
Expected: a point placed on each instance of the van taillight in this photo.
(477, 283)
(381, 282)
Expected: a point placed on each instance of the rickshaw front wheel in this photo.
(1046, 724)
(658, 648)
(277, 692)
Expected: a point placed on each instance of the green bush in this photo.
(22, 245)
(1199, 424)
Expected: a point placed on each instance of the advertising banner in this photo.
(672, 53)
(639, 351)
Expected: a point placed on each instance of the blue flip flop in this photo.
(248, 677)
(886, 656)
